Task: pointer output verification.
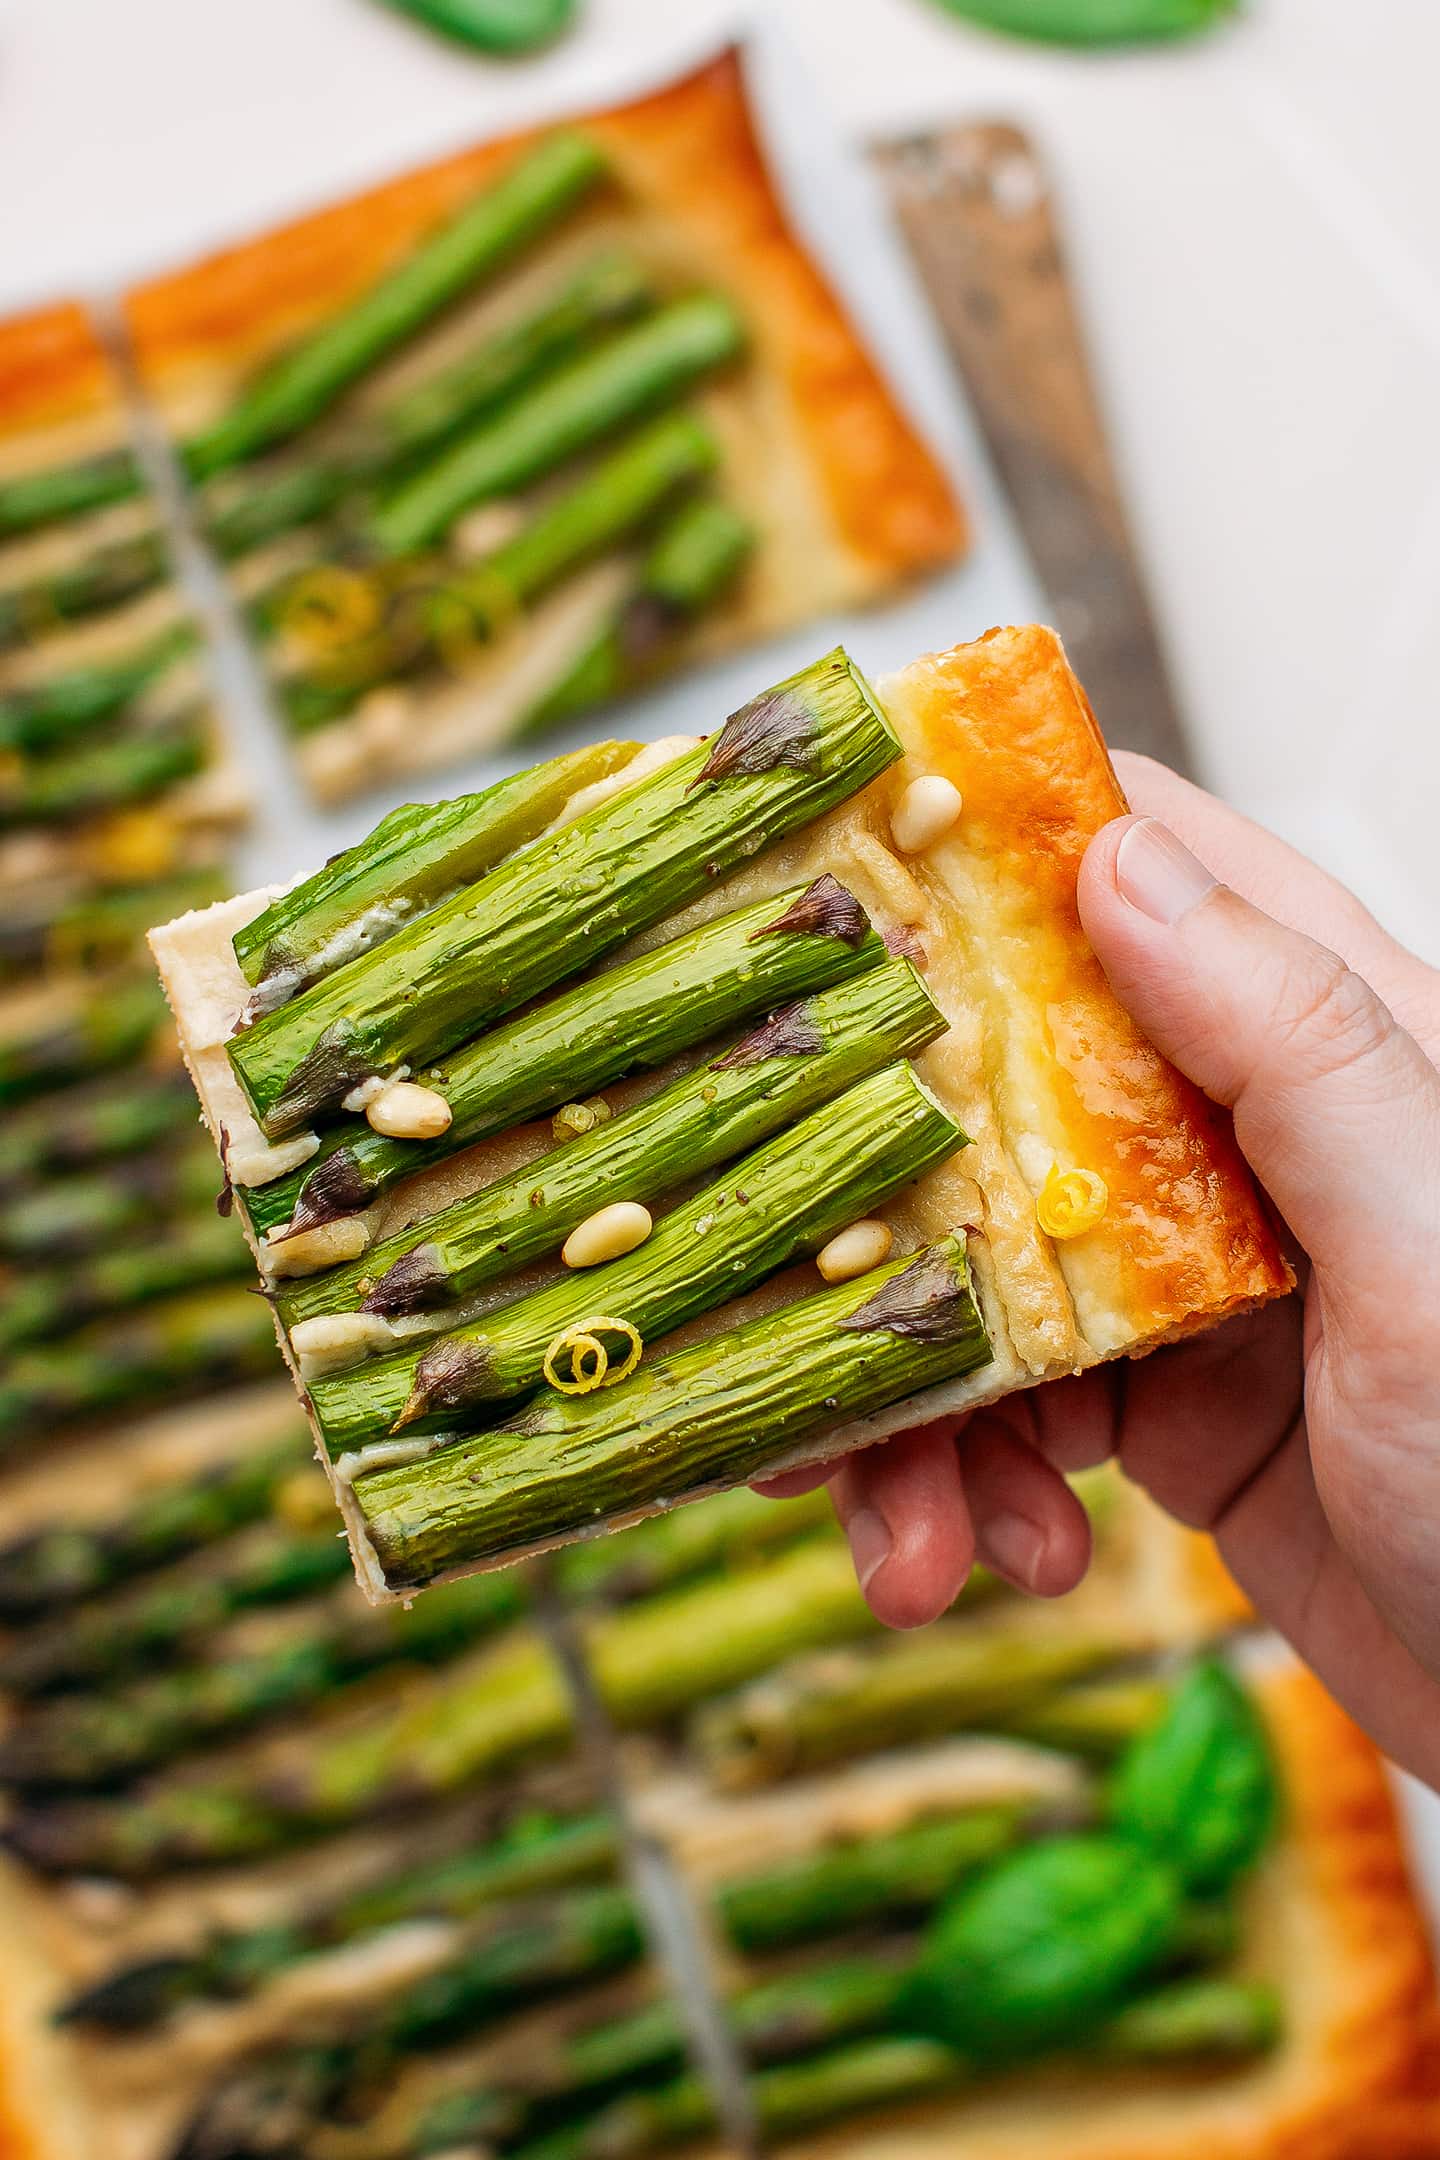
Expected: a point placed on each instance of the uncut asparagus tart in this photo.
(765, 1101)
(509, 436)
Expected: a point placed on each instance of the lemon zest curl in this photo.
(590, 1365)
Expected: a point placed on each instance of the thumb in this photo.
(1336, 1107)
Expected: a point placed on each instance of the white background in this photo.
(1254, 221)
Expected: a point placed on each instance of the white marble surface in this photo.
(1255, 222)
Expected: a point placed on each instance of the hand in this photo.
(1305, 1436)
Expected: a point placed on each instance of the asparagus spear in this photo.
(79, 1216)
(416, 857)
(891, 1694)
(706, 1416)
(92, 1124)
(52, 712)
(610, 290)
(694, 557)
(704, 1118)
(192, 1342)
(97, 929)
(165, 1614)
(568, 410)
(68, 785)
(107, 1027)
(427, 622)
(631, 1017)
(653, 1663)
(102, 1739)
(532, 1856)
(1095, 1720)
(562, 903)
(49, 1569)
(66, 491)
(305, 382)
(783, 1199)
(185, 1255)
(117, 571)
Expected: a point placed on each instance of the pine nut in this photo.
(310, 1250)
(925, 813)
(408, 1112)
(854, 1251)
(331, 1341)
(606, 1234)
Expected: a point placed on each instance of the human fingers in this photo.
(902, 1506)
(1029, 1526)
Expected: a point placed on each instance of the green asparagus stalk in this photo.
(54, 712)
(169, 1613)
(119, 570)
(102, 1739)
(93, 1124)
(611, 290)
(532, 1856)
(303, 384)
(66, 491)
(99, 929)
(891, 1694)
(432, 624)
(80, 1216)
(653, 1663)
(785, 1198)
(178, 1346)
(694, 558)
(415, 858)
(706, 1416)
(893, 1876)
(49, 1569)
(562, 903)
(106, 1027)
(632, 1017)
(1095, 1720)
(568, 410)
(67, 785)
(704, 1118)
(48, 1301)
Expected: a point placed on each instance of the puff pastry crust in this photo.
(56, 381)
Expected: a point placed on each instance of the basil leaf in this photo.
(1199, 1787)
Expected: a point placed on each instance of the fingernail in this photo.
(869, 1543)
(1016, 1546)
(1157, 873)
